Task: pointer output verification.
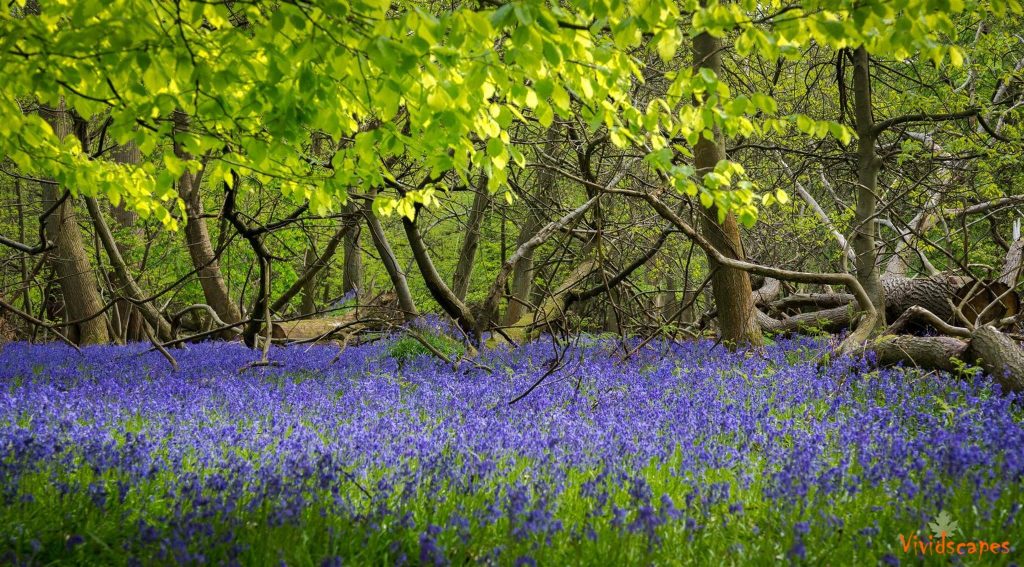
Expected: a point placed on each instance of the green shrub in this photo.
(408, 347)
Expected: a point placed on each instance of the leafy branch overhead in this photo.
(382, 80)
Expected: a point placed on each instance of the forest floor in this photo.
(680, 454)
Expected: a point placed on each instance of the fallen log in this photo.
(996, 353)
(379, 314)
(828, 320)
(944, 295)
(999, 356)
(934, 353)
(800, 301)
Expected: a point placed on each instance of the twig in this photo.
(38, 323)
(159, 347)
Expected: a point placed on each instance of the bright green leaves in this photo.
(727, 189)
(1002, 7)
(667, 42)
(895, 29)
(764, 103)
(822, 128)
(406, 205)
(31, 144)
(779, 196)
(717, 19)
(389, 82)
(956, 56)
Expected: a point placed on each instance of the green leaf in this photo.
(804, 124)
(667, 41)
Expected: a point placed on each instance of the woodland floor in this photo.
(682, 454)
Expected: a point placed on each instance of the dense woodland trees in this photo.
(185, 171)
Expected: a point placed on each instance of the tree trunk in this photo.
(934, 294)
(1013, 263)
(308, 297)
(471, 241)
(26, 294)
(124, 278)
(352, 277)
(928, 352)
(737, 316)
(999, 356)
(387, 257)
(69, 259)
(938, 294)
(439, 290)
(688, 315)
(868, 165)
(127, 218)
(521, 286)
(827, 320)
(197, 237)
(666, 300)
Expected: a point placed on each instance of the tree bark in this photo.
(996, 353)
(937, 294)
(521, 286)
(124, 277)
(737, 316)
(308, 294)
(197, 237)
(934, 294)
(868, 165)
(439, 290)
(387, 257)
(471, 241)
(69, 259)
(999, 356)
(1010, 273)
(928, 352)
(352, 276)
(827, 320)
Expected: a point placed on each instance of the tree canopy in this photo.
(438, 88)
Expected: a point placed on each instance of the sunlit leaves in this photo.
(387, 82)
(822, 128)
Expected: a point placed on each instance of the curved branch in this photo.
(854, 340)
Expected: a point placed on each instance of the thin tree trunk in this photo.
(667, 301)
(737, 316)
(125, 280)
(127, 218)
(439, 290)
(471, 241)
(197, 237)
(521, 286)
(261, 303)
(308, 294)
(69, 259)
(387, 257)
(306, 284)
(868, 165)
(26, 296)
(352, 277)
(688, 315)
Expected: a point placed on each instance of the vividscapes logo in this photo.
(943, 528)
